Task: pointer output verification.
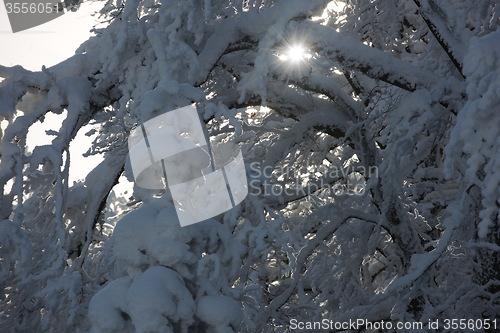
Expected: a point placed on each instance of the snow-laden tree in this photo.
(370, 132)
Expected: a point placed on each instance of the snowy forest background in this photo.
(409, 89)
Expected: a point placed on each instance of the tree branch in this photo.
(306, 251)
(442, 34)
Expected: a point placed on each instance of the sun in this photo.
(296, 53)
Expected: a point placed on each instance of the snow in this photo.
(157, 296)
(169, 252)
(478, 126)
(106, 308)
(14, 248)
(152, 300)
(220, 312)
(75, 66)
(133, 234)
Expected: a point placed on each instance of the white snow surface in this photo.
(219, 312)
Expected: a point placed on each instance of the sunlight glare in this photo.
(296, 53)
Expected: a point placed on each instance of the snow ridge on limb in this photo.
(453, 47)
